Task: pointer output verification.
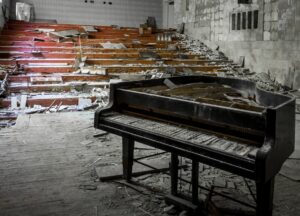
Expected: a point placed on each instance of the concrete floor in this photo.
(44, 161)
(47, 166)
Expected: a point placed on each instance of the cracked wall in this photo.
(273, 47)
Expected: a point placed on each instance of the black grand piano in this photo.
(223, 122)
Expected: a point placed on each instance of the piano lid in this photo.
(224, 92)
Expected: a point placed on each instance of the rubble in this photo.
(19, 104)
(61, 36)
(43, 30)
(196, 47)
(3, 84)
(93, 70)
(149, 55)
(109, 45)
(263, 80)
(89, 29)
(83, 102)
(7, 118)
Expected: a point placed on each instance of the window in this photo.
(250, 20)
(238, 21)
(187, 4)
(244, 1)
(244, 20)
(233, 20)
(255, 23)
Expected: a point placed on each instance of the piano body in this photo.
(226, 123)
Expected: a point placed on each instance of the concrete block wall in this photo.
(273, 47)
(6, 5)
(129, 13)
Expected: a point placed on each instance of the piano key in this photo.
(232, 147)
(217, 143)
(206, 138)
(201, 138)
(192, 136)
(164, 130)
(245, 150)
(176, 131)
(114, 118)
(158, 127)
(209, 141)
(171, 129)
(126, 119)
(180, 133)
(252, 154)
(186, 134)
(145, 123)
(222, 145)
(238, 148)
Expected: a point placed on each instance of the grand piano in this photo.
(226, 123)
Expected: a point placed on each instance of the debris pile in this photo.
(214, 183)
(3, 84)
(7, 118)
(109, 45)
(263, 80)
(56, 66)
(67, 35)
(197, 47)
(96, 97)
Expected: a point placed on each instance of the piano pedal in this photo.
(184, 205)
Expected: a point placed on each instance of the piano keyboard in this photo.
(186, 134)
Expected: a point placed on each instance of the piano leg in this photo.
(265, 198)
(195, 181)
(174, 173)
(127, 158)
(177, 199)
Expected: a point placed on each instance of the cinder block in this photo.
(274, 26)
(274, 36)
(267, 36)
(268, 8)
(267, 26)
(274, 16)
(267, 17)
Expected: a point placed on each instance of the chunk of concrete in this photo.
(23, 101)
(89, 28)
(14, 103)
(109, 45)
(83, 102)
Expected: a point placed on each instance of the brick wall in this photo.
(120, 12)
(274, 46)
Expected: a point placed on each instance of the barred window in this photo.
(244, 20)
